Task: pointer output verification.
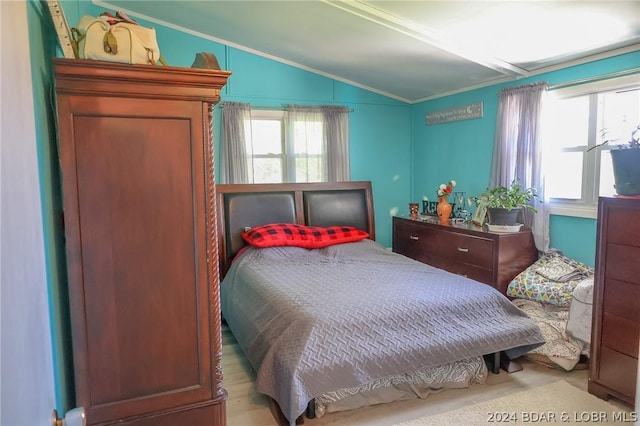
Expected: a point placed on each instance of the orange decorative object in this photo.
(444, 210)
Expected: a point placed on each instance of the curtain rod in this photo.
(282, 108)
(594, 79)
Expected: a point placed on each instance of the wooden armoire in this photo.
(136, 157)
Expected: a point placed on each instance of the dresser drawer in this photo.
(618, 371)
(472, 271)
(617, 298)
(620, 334)
(410, 240)
(414, 241)
(623, 263)
(622, 226)
(468, 249)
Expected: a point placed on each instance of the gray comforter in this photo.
(314, 321)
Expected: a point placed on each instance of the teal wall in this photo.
(390, 143)
(42, 41)
(463, 150)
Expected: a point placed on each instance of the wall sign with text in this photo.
(466, 112)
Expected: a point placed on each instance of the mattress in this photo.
(316, 321)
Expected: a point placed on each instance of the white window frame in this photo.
(288, 155)
(587, 207)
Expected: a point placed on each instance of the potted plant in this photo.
(504, 204)
(625, 158)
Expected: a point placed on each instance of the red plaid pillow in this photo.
(287, 234)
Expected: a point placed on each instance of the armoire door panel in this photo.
(136, 200)
(131, 190)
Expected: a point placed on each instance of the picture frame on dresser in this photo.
(480, 215)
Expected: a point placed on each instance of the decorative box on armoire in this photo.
(616, 302)
(136, 156)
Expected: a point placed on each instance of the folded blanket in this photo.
(559, 271)
(551, 279)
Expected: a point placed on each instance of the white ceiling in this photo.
(410, 50)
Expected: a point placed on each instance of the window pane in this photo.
(267, 170)
(309, 169)
(308, 138)
(607, 180)
(620, 114)
(564, 175)
(267, 137)
(569, 122)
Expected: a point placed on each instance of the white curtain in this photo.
(306, 144)
(517, 151)
(304, 123)
(336, 131)
(236, 135)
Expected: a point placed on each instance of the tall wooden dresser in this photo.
(616, 304)
(137, 167)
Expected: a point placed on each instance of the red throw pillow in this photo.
(287, 234)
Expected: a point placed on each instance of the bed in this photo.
(349, 324)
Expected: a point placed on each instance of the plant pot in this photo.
(500, 216)
(626, 170)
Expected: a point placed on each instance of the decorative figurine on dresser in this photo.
(615, 333)
(136, 156)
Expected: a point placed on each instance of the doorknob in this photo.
(74, 417)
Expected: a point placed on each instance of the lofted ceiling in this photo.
(409, 50)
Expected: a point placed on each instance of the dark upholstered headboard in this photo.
(316, 204)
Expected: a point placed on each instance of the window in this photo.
(282, 151)
(576, 120)
(300, 144)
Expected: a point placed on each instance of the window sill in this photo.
(588, 212)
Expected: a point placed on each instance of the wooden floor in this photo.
(245, 407)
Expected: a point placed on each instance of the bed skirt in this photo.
(416, 384)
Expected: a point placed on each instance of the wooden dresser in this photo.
(137, 167)
(616, 301)
(465, 249)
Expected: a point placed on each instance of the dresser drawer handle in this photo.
(413, 237)
(462, 249)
